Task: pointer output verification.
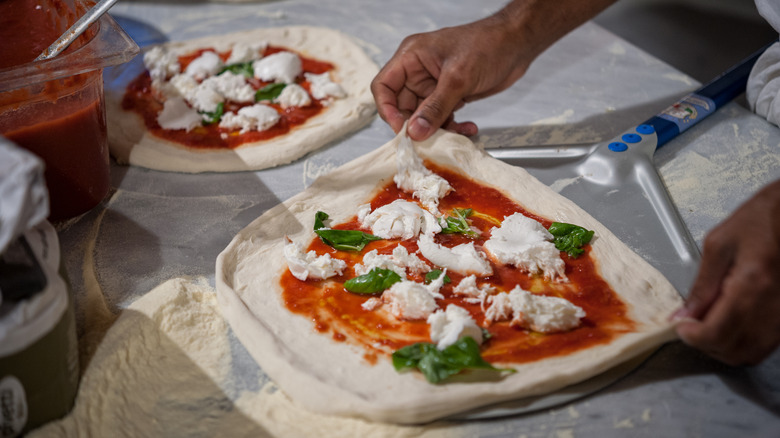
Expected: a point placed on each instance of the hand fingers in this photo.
(438, 106)
(717, 257)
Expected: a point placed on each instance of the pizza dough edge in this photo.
(338, 381)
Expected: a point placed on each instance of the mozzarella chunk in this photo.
(182, 85)
(409, 300)
(468, 288)
(293, 95)
(323, 87)
(161, 64)
(397, 262)
(257, 117)
(372, 303)
(231, 86)
(177, 115)
(447, 326)
(534, 312)
(523, 242)
(413, 177)
(399, 219)
(500, 308)
(205, 65)
(279, 67)
(241, 52)
(310, 265)
(463, 258)
(205, 98)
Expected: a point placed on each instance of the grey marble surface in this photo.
(587, 88)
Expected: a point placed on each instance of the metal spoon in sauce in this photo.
(77, 29)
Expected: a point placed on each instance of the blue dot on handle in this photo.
(631, 138)
(617, 147)
(645, 129)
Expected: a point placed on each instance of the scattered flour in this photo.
(160, 369)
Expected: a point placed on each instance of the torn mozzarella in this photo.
(257, 117)
(161, 64)
(413, 177)
(534, 312)
(397, 262)
(231, 86)
(205, 65)
(182, 85)
(279, 67)
(177, 115)
(399, 219)
(241, 52)
(205, 98)
(372, 303)
(409, 300)
(323, 87)
(468, 288)
(293, 95)
(464, 258)
(309, 265)
(499, 309)
(447, 326)
(523, 242)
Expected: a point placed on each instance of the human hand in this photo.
(433, 74)
(732, 311)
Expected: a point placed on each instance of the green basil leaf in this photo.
(570, 238)
(344, 240)
(433, 275)
(269, 92)
(209, 118)
(457, 223)
(242, 68)
(375, 281)
(437, 365)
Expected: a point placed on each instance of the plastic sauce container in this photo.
(55, 108)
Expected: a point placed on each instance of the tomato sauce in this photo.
(336, 311)
(61, 120)
(139, 98)
(75, 149)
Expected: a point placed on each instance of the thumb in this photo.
(434, 111)
(708, 284)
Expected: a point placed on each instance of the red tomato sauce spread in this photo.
(139, 97)
(337, 312)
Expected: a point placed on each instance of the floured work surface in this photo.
(337, 361)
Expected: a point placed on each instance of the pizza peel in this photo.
(617, 183)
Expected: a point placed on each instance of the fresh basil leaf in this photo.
(242, 68)
(375, 281)
(437, 365)
(344, 240)
(433, 275)
(209, 118)
(269, 92)
(570, 238)
(456, 223)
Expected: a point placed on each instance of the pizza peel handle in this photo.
(694, 107)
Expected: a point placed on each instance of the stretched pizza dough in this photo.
(131, 143)
(332, 377)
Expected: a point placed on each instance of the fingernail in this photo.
(681, 313)
(419, 128)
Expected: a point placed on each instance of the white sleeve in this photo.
(763, 87)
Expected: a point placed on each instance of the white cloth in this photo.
(763, 87)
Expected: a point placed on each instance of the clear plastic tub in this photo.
(55, 108)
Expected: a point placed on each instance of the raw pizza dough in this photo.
(131, 143)
(332, 377)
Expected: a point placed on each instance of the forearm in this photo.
(535, 25)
